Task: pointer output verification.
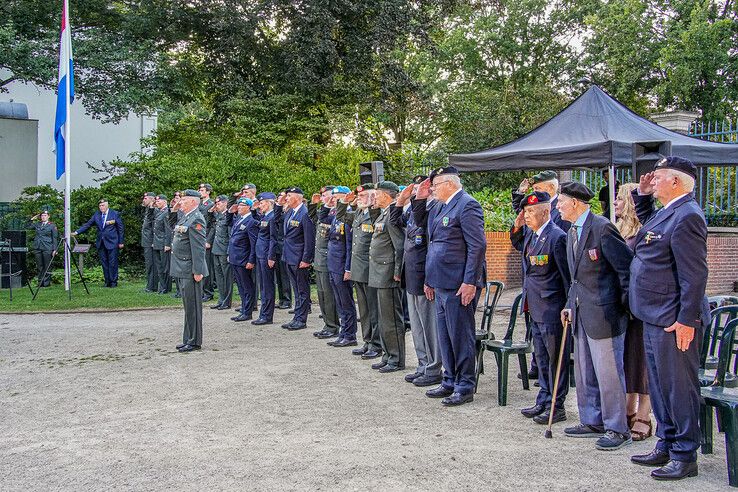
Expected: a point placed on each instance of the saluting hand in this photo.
(524, 185)
(520, 220)
(405, 195)
(424, 190)
(349, 197)
(315, 199)
(684, 335)
(644, 184)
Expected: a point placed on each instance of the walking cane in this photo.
(548, 433)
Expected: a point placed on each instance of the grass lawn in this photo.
(127, 295)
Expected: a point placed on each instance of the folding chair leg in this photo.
(480, 360)
(706, 428)
(729, 418)
(502, 380)
(524, 371)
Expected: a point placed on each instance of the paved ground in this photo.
(102, 401)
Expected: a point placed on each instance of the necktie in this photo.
(574, 238)
(532, 244)
(104, 218)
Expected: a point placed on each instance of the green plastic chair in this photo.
(506, 347)
(719, 318)
(725, 401)
(492, 295)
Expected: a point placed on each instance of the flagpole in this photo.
(67, 175)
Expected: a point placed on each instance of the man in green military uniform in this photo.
(147, 241)
(189, 266)
(385, 270)
(45, 243)
(220, 236)
(162, 244)
(206, 204)
(362, 219)
(326, 299)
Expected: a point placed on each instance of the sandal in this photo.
(642, 436)
(631, 420)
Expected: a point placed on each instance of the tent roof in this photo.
(593, 131)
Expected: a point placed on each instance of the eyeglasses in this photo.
(437, 185)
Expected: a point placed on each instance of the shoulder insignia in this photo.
(198, 227)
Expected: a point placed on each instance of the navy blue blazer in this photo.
(242, 243)
(266, 241)
(416, 249)
(340, 237)
(545, 271)
(457, 244)
(110, 234)
(669, 271)
(600, 272)
(299, 237)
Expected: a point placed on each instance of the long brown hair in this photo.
(628, 223)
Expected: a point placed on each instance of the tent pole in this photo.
(611, 190)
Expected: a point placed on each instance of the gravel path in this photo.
(103, 401)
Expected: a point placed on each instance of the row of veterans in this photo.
(634, 293)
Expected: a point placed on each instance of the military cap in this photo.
(419, 178)
(105, 200)
(150, 193)
(387, 186)
(46, 211)
(365, 187)
(191, 193)
(543, 176)
(245, 201)
(401, 187)
(249, 186)
(678, 164)
(577, 190)
(340, 189)
(207, 186)
(443, 171)
(534, 198)
(161, 197)
(294, 189)
(221, 198)
(327, 188)
(267, 195)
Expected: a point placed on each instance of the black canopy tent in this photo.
(596, 131)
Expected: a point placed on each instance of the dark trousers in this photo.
(456, 337)
(300, 280)
(255, 279)
(283, 282)
(675, 391)
(343, 294)
(43, 260)
(266, 287)
(109, 262)
(152, 276)
(224, 279)
(161, 267)
(192, 301)
(391, 326)
(245, 287)
(327, 301)
(207, 282)
(547, 343)
(366, 298)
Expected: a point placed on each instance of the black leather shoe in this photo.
(346, 343)
(223, 307)
(326, 334)
(531, 412)
(333, 342)
(241, 318)
(390, 368)
(180, 345)
(424, 380)
(291, 311)
(284, 305)
(177, 296)
(675, 470)
(439, 392)
(654, 458)
(297, 325)
(262, 321)
(216, 306)
(286, 326)
(207, 298)
(359, 351)
(559, 416)
(371, 354)
(189, 348)
(457, 399)
(379, 365)
(412, 377)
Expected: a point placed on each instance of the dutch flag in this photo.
(65, 91)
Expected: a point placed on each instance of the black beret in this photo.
(191, 193)
(161, 197)
(443, 171)
(388, 186)
(294, 189)
(678, 164)
(365, 187)
(535, 198)
(543, 176)
(419, 179)
(577, 190)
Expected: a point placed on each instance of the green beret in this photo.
(365, 187)
(388, 186)
(543, 176)
(191, 193)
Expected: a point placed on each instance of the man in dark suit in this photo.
(284, 289)
(266, 258)
(109, 239)
(298, 252)
(599, 264)
(421, 310)
(667, 292)
(242, 254)
(545, 284)
(454, 276)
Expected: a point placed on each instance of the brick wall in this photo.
(503, 262)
